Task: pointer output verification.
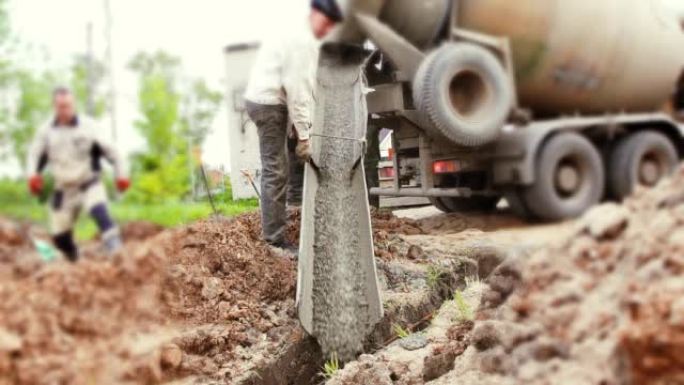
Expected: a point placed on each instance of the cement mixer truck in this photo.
(554, 105)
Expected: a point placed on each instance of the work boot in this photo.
(112, 241)
(286, 250)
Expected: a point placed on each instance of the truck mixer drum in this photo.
(463, 94)
(566, 55)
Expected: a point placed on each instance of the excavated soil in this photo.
(180, 304)
(599, 302)
(207, 303)
(602, 305)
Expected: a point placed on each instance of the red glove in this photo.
(122, 184)
(35, 184)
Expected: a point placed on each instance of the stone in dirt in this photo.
(414, 342)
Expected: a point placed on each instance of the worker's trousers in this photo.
(66, 205)
(272, 122)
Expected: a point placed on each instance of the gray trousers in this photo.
(279, 166)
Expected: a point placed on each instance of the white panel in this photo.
(242, 134)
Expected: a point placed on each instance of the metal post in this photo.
(426, 174)
(90, 75)
(109, 57)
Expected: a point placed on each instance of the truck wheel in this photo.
(466, 205)
(439, 204)
(643, 158)
(463, 94)
(516, 203)
(569, 178)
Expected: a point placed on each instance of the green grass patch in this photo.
(401, 332)
(331, 367)
(464, 311)
(167, 214)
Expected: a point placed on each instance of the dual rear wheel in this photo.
(572, 176)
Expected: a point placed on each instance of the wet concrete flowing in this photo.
(341, 316)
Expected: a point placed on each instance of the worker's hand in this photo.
(35, 185)
(303, 150)
(122, 184)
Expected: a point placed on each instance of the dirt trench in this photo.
(207, 303)
(599, 304)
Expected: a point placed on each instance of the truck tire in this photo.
(516, 203)
(463, 93)
(570, 178)
(439, 204)
(466, 205)
(643, 158)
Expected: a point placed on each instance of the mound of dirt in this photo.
(176, 305)
(604, 306)
(140, 230)
(208, 301)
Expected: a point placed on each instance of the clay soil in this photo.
(592, 301)
(599, 305)
(207, 303)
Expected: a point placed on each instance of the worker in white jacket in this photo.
(72, 147)
(281, 89)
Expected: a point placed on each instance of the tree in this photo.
(79, 84)
(200, 107)
(32, 107)
(4, 63)
(4, 22)
(175, 118)
(27, 101)
(162, 171)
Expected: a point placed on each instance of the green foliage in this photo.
(465, 312)
(400, 331)
(200, 106)
(158, 62)
(172, 123)
(14, 192)
(331, 367)
(17, 203)
(434, 276)
(162, 172)
(4, 22)
(79, 84)
(31, 110)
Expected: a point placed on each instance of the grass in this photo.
(434, 276)
(167, 214)
(332, 367)
(401, 332)
(464, 311)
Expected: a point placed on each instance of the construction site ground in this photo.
(469, 299)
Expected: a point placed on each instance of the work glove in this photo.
(35, 185)
(122, 184)
(303, 150)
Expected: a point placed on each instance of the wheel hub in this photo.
(649, 172)
(568, 179)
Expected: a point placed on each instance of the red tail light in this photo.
(446, 166)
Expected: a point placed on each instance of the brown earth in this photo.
(206, 301)
(599, 302)
(602, 305)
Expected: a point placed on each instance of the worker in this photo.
(281, 89)
(295, 182)
(72, 147)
